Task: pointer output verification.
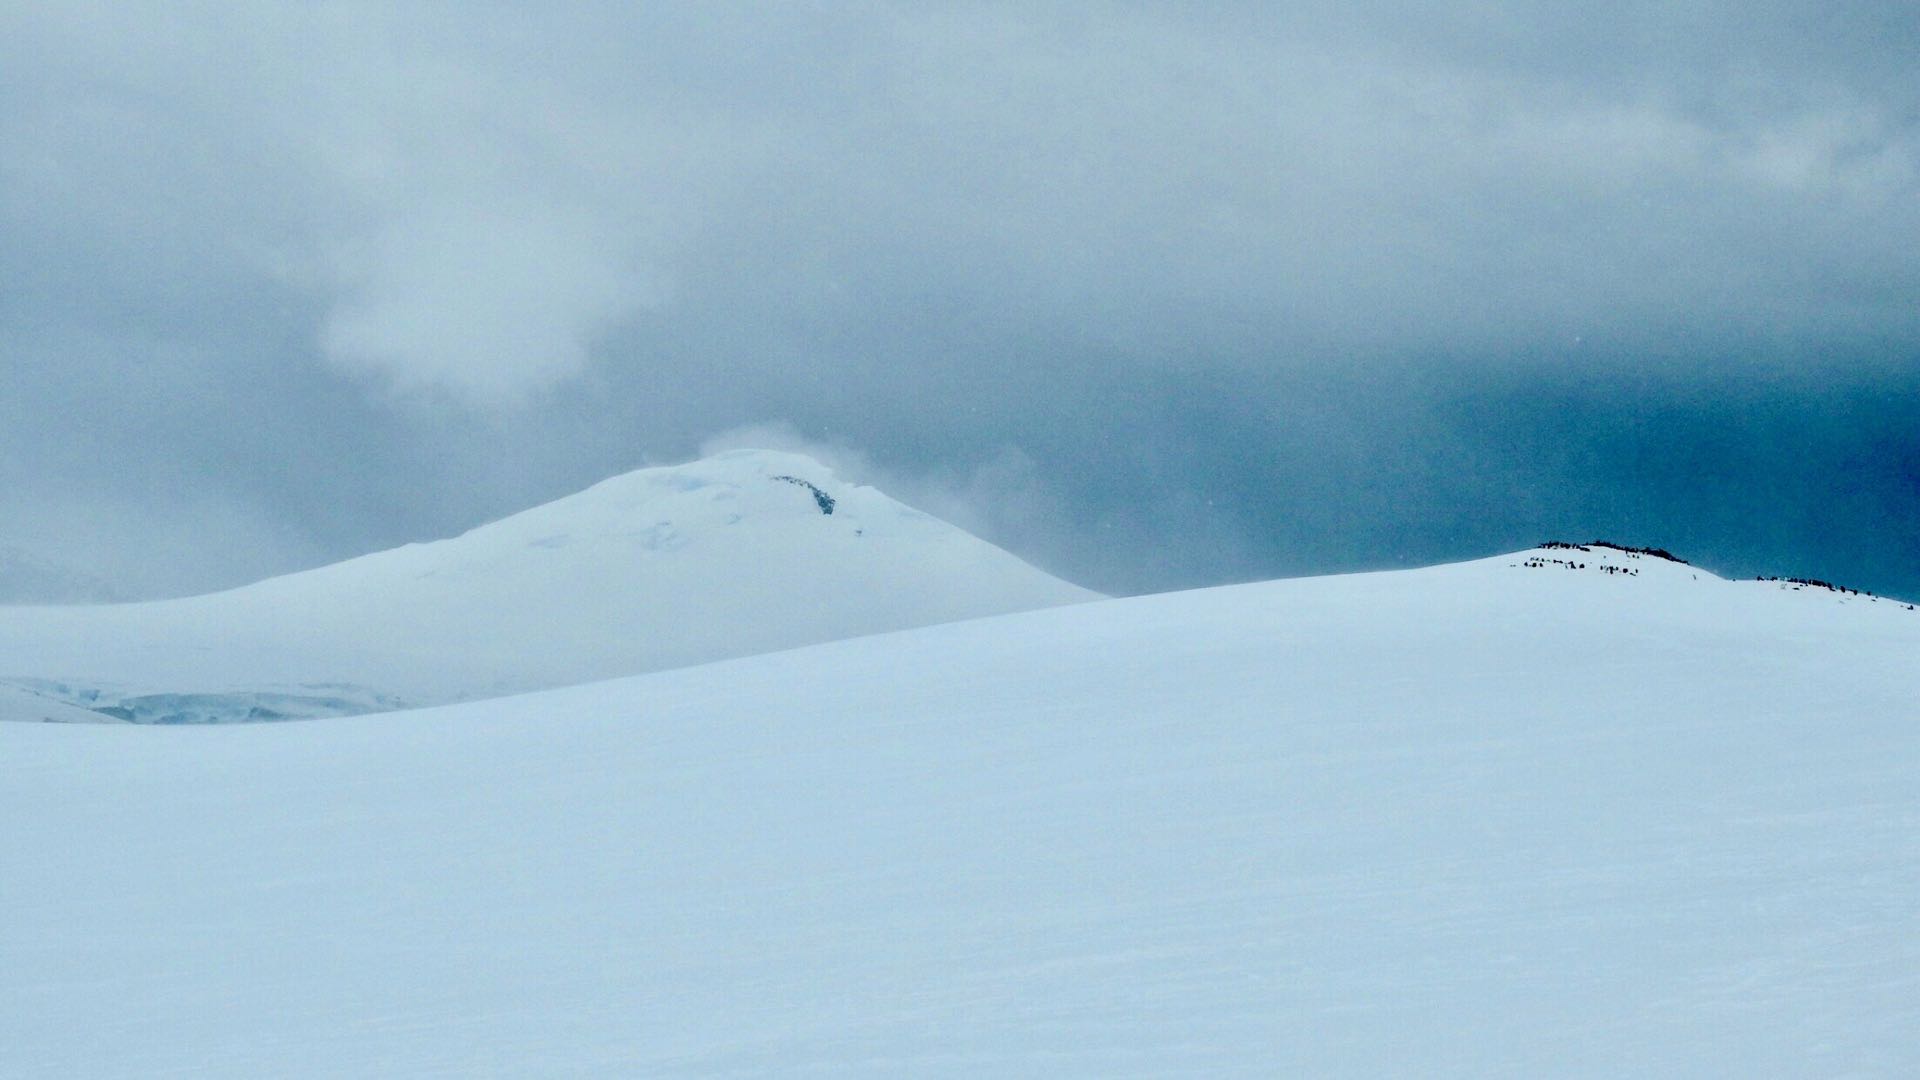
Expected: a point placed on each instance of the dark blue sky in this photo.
(1156, 300)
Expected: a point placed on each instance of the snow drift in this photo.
(741, 553)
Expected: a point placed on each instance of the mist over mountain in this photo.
(26, 578)
(1355, 285)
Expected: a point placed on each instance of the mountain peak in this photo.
(744, 552)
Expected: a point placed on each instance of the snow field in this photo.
(1467, 821)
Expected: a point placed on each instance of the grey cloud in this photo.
(1349, 190)
(415, 265)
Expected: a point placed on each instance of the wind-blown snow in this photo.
(655, 569)
(1476, 820)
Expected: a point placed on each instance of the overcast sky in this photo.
(1153, 299)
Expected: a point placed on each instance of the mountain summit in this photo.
(741, 553)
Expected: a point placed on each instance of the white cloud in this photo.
(488, 301)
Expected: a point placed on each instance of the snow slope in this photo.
(655, 569)
(1478, 820)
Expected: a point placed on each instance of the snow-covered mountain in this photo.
(741, 553)
(1570, 812)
